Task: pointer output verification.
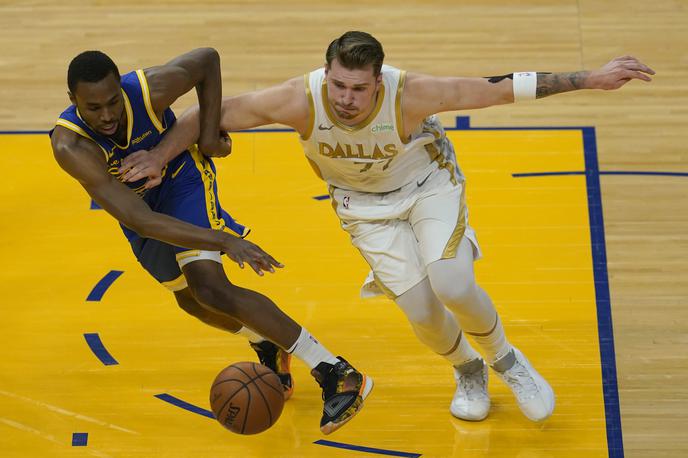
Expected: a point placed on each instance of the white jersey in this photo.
(371, 156)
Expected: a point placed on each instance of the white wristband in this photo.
(525, 86)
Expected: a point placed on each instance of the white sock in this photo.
(493, 343)
(310, 351)
(249, 334)
(461, 352)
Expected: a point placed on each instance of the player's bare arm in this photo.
(285, 104)
(84, 161)
(425, 95)
(198, 69)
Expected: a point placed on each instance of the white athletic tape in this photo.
(525, 86)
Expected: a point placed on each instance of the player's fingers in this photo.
(135, 174)
(133, 159)
(639, 66)
(275, 262)
(260, 258)
(256, 267)
(639, 75)
(152, 182)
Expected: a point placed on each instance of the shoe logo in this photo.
(321, 127)
(334, 406)
(421, 183)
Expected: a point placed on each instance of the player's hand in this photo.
(242, 251)
(143, 164)
(618, 72)
(222, 147)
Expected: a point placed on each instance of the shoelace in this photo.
(468, 383)
(522, 382)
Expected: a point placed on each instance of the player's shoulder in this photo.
(69, 146)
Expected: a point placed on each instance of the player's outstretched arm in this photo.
(198, 69)
(84, 161)
(425, 95)
(282, 104)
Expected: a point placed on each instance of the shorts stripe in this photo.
(208, 177)
(177, 284)
(459, 230)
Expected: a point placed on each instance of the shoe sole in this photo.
(366, 388)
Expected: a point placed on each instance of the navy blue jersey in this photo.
(188, 190)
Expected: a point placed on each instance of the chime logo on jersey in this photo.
(384, 127)
(357, 151)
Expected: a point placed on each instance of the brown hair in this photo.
(355, 50)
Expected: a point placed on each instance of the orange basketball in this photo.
(247, 398)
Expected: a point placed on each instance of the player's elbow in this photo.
(139, 224)
(209, 55)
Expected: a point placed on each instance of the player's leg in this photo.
(389, 245)
(448, 247)
(437, 327)
(454, 283)
(344, 388)
(269, 354)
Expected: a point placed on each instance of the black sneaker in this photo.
(278, 360)
(344, 389)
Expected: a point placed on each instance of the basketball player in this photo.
(371, 133)
(178, 230)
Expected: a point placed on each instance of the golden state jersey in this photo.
(144, 129)
(371, 156)
(188, 190)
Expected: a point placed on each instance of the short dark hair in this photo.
(355, 50)
(91, 67)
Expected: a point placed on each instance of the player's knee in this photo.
(214, 296)
(424, 317)
(455, 292)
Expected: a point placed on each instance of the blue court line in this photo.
(79, 439)
(97, 292)
(98, 349)
(599, 260)
(604, 313)
(360, 448)
(601, 172)
(184, 405)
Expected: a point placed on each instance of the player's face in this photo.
(351, 93)
(101, 105)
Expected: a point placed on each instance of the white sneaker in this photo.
(534, 395)
(471, 401)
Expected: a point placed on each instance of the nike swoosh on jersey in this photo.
(421, 183)
(321, 127)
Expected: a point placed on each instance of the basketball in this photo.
(246, 398)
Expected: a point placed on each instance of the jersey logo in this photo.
(421, 183)
(383, 127)
(140, 138)
(321, 127)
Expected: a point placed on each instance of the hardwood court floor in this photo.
(639, 129)
(538, 267)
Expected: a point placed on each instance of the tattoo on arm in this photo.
(556, 83)
(497, 79)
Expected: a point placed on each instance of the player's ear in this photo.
(71, 98)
